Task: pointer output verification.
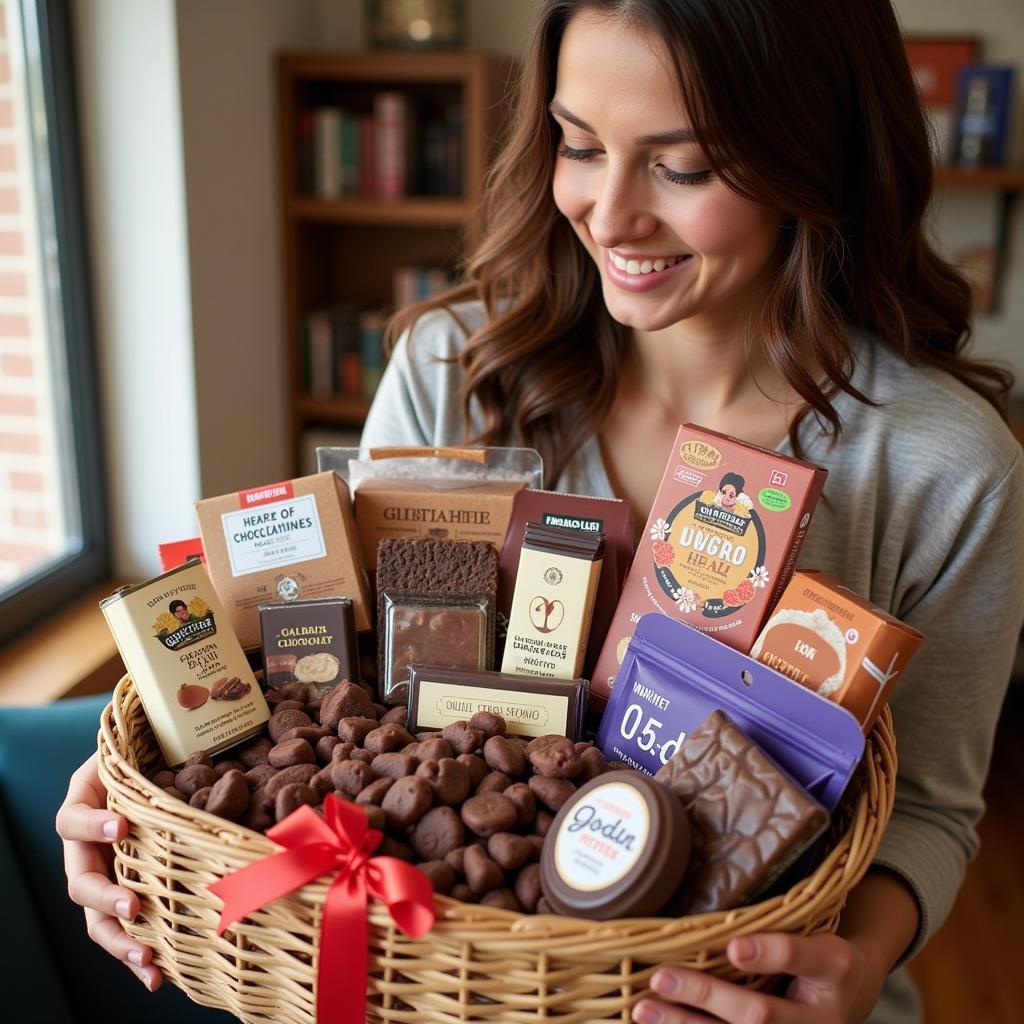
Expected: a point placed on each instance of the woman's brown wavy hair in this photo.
(809, 108)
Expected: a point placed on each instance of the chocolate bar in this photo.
(749, 819)
(452, 631)
(437, 569)
(609, 516)
(556, 586)
(309, 642)
(439, 695)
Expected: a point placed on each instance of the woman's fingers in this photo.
(83, 815)
(651, 1011)
(825, 959)
(722, 1000)
(95, 891)
(107, 932)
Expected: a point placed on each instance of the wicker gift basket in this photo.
(478, 963)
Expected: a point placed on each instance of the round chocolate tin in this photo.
(617, 848)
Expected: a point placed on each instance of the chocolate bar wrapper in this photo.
(749, 820)
(609, 516)
(673, 676)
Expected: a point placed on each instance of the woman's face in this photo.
(670, 240)
(728, 496)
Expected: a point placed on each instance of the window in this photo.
(52, 543)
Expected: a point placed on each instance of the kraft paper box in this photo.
(827, 638)
(282, 542)
(387, 508)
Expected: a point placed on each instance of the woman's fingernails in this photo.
(647, 1013)
(110, 829)
(744, 949)
(134, 957)
(665, 982)
(122, 908)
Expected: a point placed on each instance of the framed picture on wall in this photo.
(936, 63)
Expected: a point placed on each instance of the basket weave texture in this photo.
(477, 964)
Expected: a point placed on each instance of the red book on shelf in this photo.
(391, 114)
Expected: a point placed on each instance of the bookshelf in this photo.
(1007, 183)
(349, 234)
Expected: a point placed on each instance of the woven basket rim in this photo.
(246, 846)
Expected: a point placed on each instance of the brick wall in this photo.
(32, 523)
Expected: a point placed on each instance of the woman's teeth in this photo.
(645, 266)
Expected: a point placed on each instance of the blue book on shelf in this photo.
(983, 98)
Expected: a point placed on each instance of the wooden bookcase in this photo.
(347, 249)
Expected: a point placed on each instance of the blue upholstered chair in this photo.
(53, 973)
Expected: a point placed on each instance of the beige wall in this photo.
(229, 130)
(126, 63)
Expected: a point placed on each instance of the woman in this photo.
(712, 212)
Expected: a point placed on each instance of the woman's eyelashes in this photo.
(577, 154)
(675, 177)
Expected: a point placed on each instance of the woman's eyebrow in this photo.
(680, 135)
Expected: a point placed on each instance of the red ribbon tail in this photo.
(406, 891)
(342, 974)
(253, 886)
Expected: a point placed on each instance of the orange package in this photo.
(823, 635)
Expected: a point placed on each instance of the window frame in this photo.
(38, 595)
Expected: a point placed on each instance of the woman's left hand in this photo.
(834, 982)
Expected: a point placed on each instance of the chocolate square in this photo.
(748, 818)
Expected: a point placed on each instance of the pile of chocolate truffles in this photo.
(469, 805)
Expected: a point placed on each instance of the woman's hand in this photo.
(834, 982)
(88, 829)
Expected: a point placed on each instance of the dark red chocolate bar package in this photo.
(610, 516)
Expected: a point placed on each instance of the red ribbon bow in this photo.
(341, 842)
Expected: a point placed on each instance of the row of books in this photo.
(343, 346)
(392, 152)
(342, 351)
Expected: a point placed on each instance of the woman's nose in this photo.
(620, 212)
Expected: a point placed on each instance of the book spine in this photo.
(307, 161)
(403, 287)
(391, 117)
(327, 149)
(453, 157)
(321, 355)
(349, 154)
(367, 156)
(371, 350)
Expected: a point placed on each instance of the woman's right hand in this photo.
(87, 829)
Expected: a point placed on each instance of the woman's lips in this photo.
(641, 282)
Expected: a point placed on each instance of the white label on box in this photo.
(269, 536)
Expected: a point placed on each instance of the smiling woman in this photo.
(711, 212)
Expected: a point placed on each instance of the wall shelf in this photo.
(1008, 182)
(427, 210)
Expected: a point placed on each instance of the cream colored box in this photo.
(282, 542)
(191, 675)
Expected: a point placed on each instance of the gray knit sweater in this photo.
(925, 516)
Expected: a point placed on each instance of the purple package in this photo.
(673, 676)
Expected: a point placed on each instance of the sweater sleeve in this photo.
(419, 398)
(945, 709)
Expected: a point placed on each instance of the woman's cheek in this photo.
(721, 222)
(567, 190)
